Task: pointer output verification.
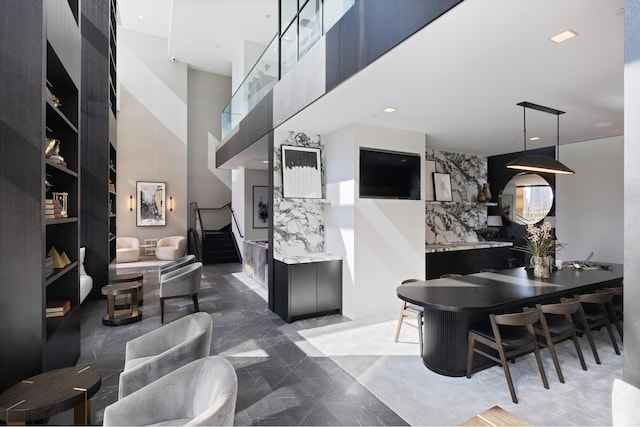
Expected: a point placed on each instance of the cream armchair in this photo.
(170, 248)
(156, 353)
(127, 249)
(201, 393)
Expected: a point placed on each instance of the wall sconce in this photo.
(130, 203)
(170, 203)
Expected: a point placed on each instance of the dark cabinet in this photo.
(307, 289)
(467, 261)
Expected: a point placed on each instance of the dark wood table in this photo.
(42, 396)
(451, 305)
(130, 312)
(126, 278)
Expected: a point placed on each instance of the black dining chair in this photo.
(510, 335)
(555, 325)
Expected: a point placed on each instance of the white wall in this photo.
(208, 94)
(382, 241)
(590, 204)
(152, 131)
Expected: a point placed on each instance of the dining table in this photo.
(451, 305)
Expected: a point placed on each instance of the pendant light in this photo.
(537, 163)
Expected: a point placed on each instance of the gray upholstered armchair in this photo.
(177, 263)
(182, 282)
(156, 353)
(202, 393)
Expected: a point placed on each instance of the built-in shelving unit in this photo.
(40, 45)
(99, 140)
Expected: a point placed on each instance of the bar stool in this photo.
(510, 335)
(413, 311)
(555, 325)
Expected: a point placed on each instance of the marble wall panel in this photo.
(454, 222)
(298, 224)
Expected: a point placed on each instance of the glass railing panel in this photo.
(333, 11)
(310, 25)
(288, 11)
(289, 49)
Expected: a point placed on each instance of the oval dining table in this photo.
(451, 305)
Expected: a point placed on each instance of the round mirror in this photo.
(526, 199)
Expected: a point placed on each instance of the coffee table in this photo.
(49, 393)
(130, 312)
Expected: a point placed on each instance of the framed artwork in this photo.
(260, 207)
(151, 203)
(301, 172)
(442, 187)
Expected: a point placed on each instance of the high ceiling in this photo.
(457, 81)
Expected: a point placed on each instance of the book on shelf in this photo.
(57, 308)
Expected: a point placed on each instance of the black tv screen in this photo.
(389, 175)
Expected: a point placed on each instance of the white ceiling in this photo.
(458, 80)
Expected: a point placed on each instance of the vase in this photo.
(486, 191)
(541, 266)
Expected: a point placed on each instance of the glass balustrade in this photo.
(301, 30)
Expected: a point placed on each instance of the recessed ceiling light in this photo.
(140, 17)
(563, 36)
(534, 138)
(389, 110)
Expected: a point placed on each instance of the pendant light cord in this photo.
(524, 121)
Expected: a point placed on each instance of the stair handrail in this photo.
(233, 215)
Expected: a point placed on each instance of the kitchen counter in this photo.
(463, 246)
(306, 257)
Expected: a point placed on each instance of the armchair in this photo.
(182, 282)
(127, 249)
(155, 354)
(202, 393)
(175, 264)
(170, 248)
(86, 281)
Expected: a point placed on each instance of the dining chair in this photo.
(618, 308)
(450, 276)
(510, 335)
(597, 308)
(555, 325)
(413, 311)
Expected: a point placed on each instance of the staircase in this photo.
(219, 247)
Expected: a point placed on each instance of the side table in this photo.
(129, 277)
(130, 313)
(42, 396)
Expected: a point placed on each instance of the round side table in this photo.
(130, 313)
(125, 278)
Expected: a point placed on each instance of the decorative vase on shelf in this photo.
(480, 197)
(541, 266)
(486, 191)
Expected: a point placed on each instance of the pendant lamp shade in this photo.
(537, 163)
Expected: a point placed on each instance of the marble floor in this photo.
(333, 371)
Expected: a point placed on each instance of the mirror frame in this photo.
(513, 182)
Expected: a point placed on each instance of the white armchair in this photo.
(202, 393)
(181, 282)
(156, 353)
(170, 248)
(127, 249)
(86, 281)
(625, 404)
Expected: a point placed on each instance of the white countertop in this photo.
(463, 246)
(306, 257)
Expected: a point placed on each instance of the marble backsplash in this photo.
(456, 221)
(298, 224)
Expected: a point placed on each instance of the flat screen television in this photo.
(389, 174)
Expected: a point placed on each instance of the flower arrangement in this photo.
(539, 241)
(541, 244)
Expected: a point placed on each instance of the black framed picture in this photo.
(151, 203)
(260, 206)
(301, 172)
